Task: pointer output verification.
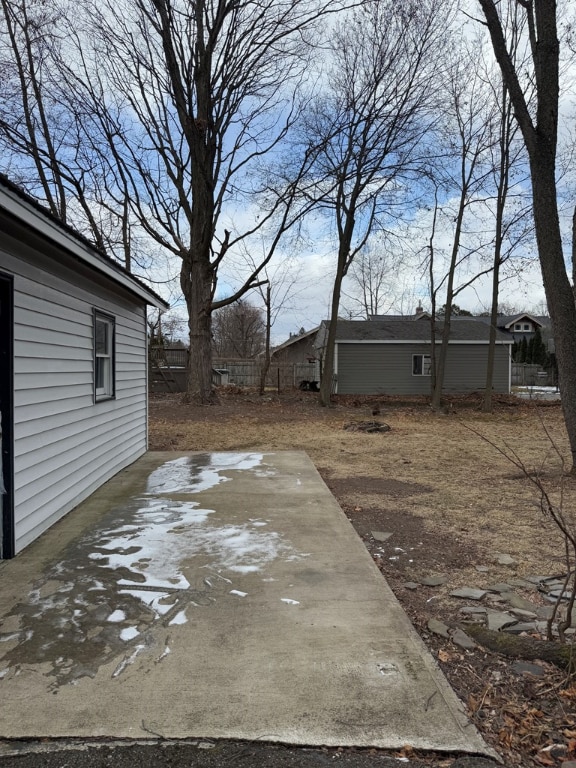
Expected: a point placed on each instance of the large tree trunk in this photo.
(196, 286)
(328, 362)
(559, 292)
(540, 139)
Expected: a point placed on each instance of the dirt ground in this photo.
(441, 486)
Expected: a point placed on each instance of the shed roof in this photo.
(21, 207)
(295, 339)
(395, 330)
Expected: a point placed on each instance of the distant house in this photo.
(73, 369)
(392, 356)
(299, 348)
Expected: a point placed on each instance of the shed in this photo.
(392, 356)
(73, 369)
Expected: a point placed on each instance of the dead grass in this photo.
(475, 494)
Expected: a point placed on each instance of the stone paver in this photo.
(468, 593)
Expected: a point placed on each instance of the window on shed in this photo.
(421, 365)
(103, 356)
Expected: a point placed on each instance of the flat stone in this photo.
(462, 640)
(381, 535)
(516, 601)
(468, 593)
(497, 620)
(439, 628)
(433, 581)
(504, 559)
(522, 614)
(565, 764)
(522, 583)
(474, 609)
(482, 568)
(525, 668)
(550, 585)
(537, 579)
(557, 577)
(499, 588)
(559, 594)
(517, 629)
(410, 585)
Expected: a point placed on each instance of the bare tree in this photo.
(373, 278)
(46, 148)
(239, 330)
(370, 126)
(468, 135)
(539, 127)
(510, 210)
(173, 108)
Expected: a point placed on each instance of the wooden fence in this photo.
(168, 372)
(530, 375)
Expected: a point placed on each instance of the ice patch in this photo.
(193, 474)
(116, 616)
(180, 618)
(288, 601)
(128, 633)
(237, 592)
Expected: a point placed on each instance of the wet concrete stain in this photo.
(131, 574)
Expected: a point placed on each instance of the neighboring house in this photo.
(521, 325)
(299, 348)
(392, 356)
(73, 365)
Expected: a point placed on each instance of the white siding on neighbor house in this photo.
(65, 444)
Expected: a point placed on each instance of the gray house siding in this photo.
(386, 368)
(65, 444)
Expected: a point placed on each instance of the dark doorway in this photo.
(7, 543)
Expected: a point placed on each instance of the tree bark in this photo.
(328, 363)
(559, 292)
(196, 287)
(524, 647)
(540, 139)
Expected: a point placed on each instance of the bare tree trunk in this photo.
(266, 364)
(328, 363)
(197, 292)
(540, 139)
(559, 292)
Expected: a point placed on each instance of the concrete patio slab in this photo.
(218, 596)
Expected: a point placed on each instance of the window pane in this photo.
(102, 337)
(417, 365)
(103, 357)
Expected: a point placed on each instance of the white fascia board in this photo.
(42, 223)
(417, 341)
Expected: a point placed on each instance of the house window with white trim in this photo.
(104, 343)
(421, 365)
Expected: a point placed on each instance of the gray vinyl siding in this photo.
(65, 445)
(370, 369)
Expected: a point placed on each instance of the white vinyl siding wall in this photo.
(65, 444)
(373, 369)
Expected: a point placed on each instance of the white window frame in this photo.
(424, 366)
(517, 326)
(526, 327)
(104, 356)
